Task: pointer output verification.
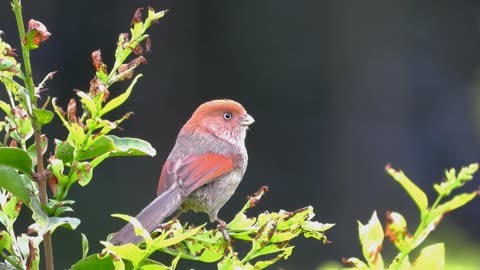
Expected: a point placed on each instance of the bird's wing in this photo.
(195, 171)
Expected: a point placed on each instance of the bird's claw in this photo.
(222, 227)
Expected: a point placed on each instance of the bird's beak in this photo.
(247, 120)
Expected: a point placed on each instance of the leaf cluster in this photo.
(268, 236)
(432, 257)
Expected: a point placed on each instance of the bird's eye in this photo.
(227, 116)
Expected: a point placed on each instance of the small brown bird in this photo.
(203, 169)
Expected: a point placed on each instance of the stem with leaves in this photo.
(41, 172)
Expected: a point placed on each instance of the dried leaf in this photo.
(36, 34)
(137, 16)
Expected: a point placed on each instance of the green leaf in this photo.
(128, 251)
(371, 237)
(83, 173)
(114, 103)
(94, 262)
(55, 222)
(32, 150)
(64, 151)
(137, 227)
(6, 108)
(5, 241)
(60, 113)
(356, 264)
(84, 246)
(456, 202)
(455, 181)
(231, 261)
(431, 258)
(12, 207)
(132, 147)
(13, 182)
(404, 264)
(16, 158)
(118, 147)
(76, 136)
(155, 267)
(413, 190)
(57, 170)
(88, 103)
(43, 116)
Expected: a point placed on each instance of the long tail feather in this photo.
(151, 216)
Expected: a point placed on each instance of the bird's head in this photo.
(223, 118)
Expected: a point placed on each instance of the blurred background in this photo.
(338, 90)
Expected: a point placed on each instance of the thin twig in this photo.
(42, 179)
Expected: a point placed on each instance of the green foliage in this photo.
(432, 256)
(269, 236)
(88, 142)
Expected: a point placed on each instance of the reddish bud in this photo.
(138, 50)
(97, 61)
(148, 44)
(97, 87)
(137, 16)
(10, 52)
(72, 111)
(53, 183)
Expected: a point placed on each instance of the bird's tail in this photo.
(151, 216)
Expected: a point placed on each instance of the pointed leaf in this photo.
(88, 103)
(84, 246)
(456, 202)
(371, 237)
(114, 103)
(413, 190)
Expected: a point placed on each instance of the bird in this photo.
(202, 171)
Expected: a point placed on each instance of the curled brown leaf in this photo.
(38, 31)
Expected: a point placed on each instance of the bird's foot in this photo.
(222, 226)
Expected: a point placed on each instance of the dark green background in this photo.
(338, 89)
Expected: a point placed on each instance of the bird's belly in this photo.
(212, 196)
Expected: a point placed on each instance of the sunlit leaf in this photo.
(88, 103)
(128, 251)
(454, 203)
(6, 108)
(94, 262)
(371, 237)
(76, 135)
(431, 258)
(413, 190)
(137, 227)
(12, 207)
(5, 241)
(355, 264)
